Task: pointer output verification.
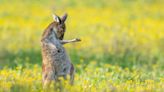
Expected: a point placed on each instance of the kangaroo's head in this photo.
(59, 26)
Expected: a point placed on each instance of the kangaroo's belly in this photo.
(56, 60)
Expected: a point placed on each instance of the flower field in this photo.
(122, 47)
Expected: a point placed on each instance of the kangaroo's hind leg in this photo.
(72, 74)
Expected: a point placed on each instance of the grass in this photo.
(121, 49)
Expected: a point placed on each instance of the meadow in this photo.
(122, 47)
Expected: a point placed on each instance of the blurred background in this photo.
(124, 33)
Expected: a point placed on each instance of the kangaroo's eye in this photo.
(63, 27)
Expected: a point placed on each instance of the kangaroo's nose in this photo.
(61, 30)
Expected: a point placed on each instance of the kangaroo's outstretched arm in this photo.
(69, 41)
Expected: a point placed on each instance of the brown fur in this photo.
(55, 61)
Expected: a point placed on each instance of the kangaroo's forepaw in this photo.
(77, 39)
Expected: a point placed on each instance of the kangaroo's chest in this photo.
(55, 56)
(56, 52)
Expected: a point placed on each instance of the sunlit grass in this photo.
(91, 79)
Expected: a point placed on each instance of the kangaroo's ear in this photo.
(56, 18)
(64, 17)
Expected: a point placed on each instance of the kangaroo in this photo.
(55, 61)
